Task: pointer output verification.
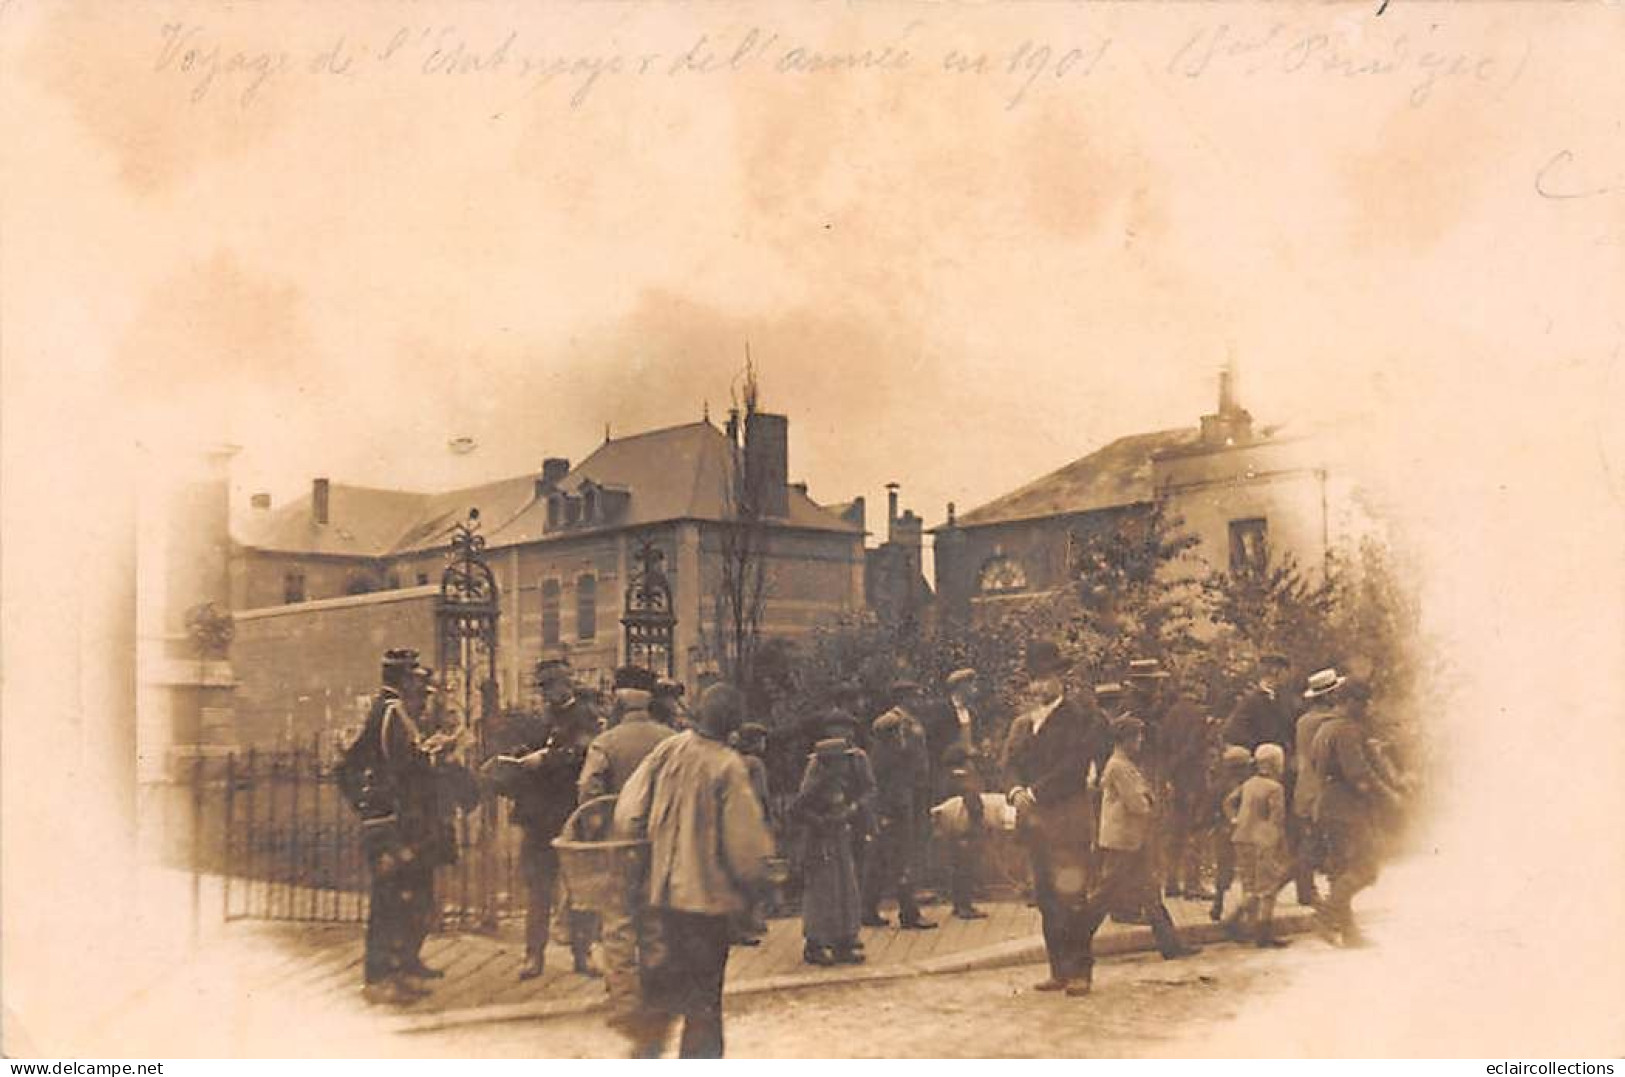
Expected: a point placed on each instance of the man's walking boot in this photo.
(583, 962)
(424, 972)
(848, 954)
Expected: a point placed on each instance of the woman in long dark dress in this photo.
(828, 805)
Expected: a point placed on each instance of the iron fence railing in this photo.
(273, 827)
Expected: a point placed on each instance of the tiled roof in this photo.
(1115, 475)
(672, 474)
(364, 522)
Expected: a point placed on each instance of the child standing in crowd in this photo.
(1258, 811)
(1235, 767)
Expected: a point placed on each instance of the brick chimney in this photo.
(1232, 424)
(767, 461)
(320, 491)
(554, 469)
(891, 508)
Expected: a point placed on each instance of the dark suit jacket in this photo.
(1053, 763)
(1260, 718)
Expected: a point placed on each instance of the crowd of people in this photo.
(1121, 795)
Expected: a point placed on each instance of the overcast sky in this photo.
(956, 282)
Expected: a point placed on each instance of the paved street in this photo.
(1143, 1005)
(255, 982)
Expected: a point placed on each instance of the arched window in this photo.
(1001, 575)
(550, 613)
(586, 606)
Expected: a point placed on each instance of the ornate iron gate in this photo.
(466, 672)
(274, 826)
(649, 619)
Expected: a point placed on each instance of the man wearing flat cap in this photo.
(1047, 756)
(615, 753)
(667, 704)
(611, 758)
(903, 782)
(1127, 882)
(710, 854)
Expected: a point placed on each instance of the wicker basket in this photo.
(598, 872)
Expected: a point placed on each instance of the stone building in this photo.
(1251, 495)
(322, 585)
(895, 587)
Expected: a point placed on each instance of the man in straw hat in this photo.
(709, 856)
(1047, 756)
(1352, 789)
(1324, 697)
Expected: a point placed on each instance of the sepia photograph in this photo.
(885, 529)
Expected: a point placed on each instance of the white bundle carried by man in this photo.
(950, 819)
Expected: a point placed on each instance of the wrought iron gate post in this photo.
(466, 653)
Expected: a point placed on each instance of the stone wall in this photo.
(309, 669)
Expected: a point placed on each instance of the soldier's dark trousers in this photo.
(1127, 884)
(886, 871)
(1061, 874)
(539, 863)
(422, 914)
(385, 914)
(686, 960)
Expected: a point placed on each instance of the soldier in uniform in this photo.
(395, 800)
(540, 776)
(902, 783)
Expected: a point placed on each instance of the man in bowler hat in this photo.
(1047, 757)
